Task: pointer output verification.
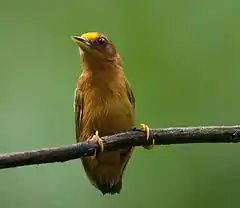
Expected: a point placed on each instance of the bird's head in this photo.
(95, 45)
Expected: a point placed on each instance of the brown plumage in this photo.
(104, 102)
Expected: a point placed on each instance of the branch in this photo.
(211, 134)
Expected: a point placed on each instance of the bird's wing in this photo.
(130, 95)
(78, 109)
(126, 153)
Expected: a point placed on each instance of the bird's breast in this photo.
(108, 112)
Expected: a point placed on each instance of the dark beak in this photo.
(82, 43)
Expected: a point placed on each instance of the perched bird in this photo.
(103, 105)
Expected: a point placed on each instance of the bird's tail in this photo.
(110, 189)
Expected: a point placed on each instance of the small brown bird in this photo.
(104, 105)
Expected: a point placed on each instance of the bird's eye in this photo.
(101, 40)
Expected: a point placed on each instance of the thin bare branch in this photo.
(167, 136)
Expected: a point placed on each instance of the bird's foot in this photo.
(145, 128)
(100, 143)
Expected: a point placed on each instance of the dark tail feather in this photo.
(107, 189)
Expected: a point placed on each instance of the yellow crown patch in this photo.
(90, 35)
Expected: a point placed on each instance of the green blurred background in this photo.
(182, 60)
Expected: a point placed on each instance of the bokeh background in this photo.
(182, 60)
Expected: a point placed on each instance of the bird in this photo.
(104, 105)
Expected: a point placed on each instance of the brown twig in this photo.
(211, 134)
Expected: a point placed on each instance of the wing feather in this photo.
(130, 95)
(78, 109)
(125, 154)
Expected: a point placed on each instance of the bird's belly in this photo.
(107, 116)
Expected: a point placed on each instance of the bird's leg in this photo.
(145, 128)
(99, 141)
